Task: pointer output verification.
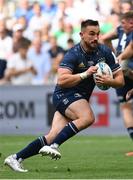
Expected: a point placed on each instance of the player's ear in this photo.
(81, 34)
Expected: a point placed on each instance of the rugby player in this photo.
(71, 96)
(124, 33)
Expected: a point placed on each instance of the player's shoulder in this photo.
(120, 29)
(74, 51)
(75, 48)
(104, 49)
(131, 35)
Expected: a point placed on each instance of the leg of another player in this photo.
(82, 116)
(127, 112)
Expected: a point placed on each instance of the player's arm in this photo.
(118, 79)
(66, 79)
(127, 53)
(108, 37)
(115, 82)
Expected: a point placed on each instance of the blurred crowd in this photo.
(35, 35)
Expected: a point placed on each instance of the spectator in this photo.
(60, 14)
(45, 37)
(37, 21)
(116, 7)
(17, 36)
(110, 23)
(37, 34)
(22, 20)
(59, 29)
(70, 43)
(70, 12)
(69, 32)
(89, 7)
(20, 69)
(57, 53)
(126, 5)
(24, 9)
(5, 47)
(41, 62)
(49, 9)
(4, 9)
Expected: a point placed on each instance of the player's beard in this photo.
(94, 44)
(91, 46)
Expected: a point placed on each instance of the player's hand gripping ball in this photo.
(103, 69)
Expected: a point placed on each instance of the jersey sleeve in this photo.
(118, 30)
(111, 60)
(69, 61)
(132, 37)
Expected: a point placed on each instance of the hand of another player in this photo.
(103, 79)
(119, 59)
(91, 70)
(129, 94)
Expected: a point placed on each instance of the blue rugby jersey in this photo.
(78, 61)
(130, 62)
(123, 39)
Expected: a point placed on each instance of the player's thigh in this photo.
(80, 109)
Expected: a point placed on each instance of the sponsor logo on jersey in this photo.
(77, 95)
(81, 65)
(65, 101)
(90, 63)
(102, 59)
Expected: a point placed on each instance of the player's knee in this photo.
(90, 121)
(87, 121)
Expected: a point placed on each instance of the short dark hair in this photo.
(24, 43)
(127, 15)
(89, 22)
(70, 40)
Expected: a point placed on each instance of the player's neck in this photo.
(85, 49)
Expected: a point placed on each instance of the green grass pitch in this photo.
(83, 157)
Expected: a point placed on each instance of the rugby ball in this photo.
(103, 68)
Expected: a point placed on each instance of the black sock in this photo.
(67, 132)
(130, 132)
(32, 149)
